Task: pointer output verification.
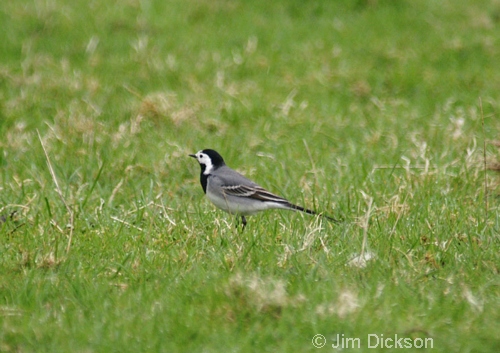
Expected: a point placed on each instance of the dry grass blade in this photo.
(494, 166)
(59, 192)
(484, 161)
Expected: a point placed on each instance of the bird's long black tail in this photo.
(311, 212)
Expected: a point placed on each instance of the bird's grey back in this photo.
(227, 176)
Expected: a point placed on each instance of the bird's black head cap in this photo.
(216, 158)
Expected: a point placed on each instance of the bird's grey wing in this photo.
(233, 183)
(253, 192)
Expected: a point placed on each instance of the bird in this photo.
(234, 193)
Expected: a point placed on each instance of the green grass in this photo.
(368, 110)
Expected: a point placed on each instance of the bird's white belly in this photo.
(241, 206)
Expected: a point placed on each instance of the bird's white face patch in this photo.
(205, 160)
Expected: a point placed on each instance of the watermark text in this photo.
(372, 340)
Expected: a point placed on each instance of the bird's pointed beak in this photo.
(192, 155)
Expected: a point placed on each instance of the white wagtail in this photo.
(232, 192)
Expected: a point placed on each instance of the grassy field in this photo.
(371, 111)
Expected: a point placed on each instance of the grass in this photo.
(368, 110)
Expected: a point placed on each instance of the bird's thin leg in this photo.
(243, 222)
